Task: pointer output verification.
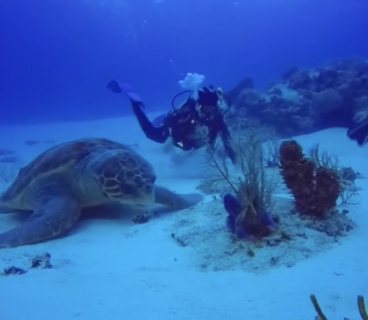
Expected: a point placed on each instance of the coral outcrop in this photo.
(247, 218)
(315, 189)
(305, 100)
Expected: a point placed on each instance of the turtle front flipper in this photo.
(52, 218)
(5, 209)
(174, 200)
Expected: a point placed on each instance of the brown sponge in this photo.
(315, 190)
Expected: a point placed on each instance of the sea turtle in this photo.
(61, 181)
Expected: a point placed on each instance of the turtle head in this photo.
(126, 177)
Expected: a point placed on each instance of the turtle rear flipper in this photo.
(176, 201)
(52, 218)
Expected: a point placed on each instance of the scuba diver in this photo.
(359, 132)
(184, 124)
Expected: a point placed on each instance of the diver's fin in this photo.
(114, 86)
(359, 132)
(118, 87)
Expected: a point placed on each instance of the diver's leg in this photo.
(157, 134)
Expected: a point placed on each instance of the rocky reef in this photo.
(305, 100)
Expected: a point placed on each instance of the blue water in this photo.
(56, 56)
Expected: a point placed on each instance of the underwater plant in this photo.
(315, 187)
(347, 176)
(247, 220)
(248, 205)
(321, 316)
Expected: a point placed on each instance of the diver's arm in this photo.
(157, 134)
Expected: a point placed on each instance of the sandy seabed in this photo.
(182, 265)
